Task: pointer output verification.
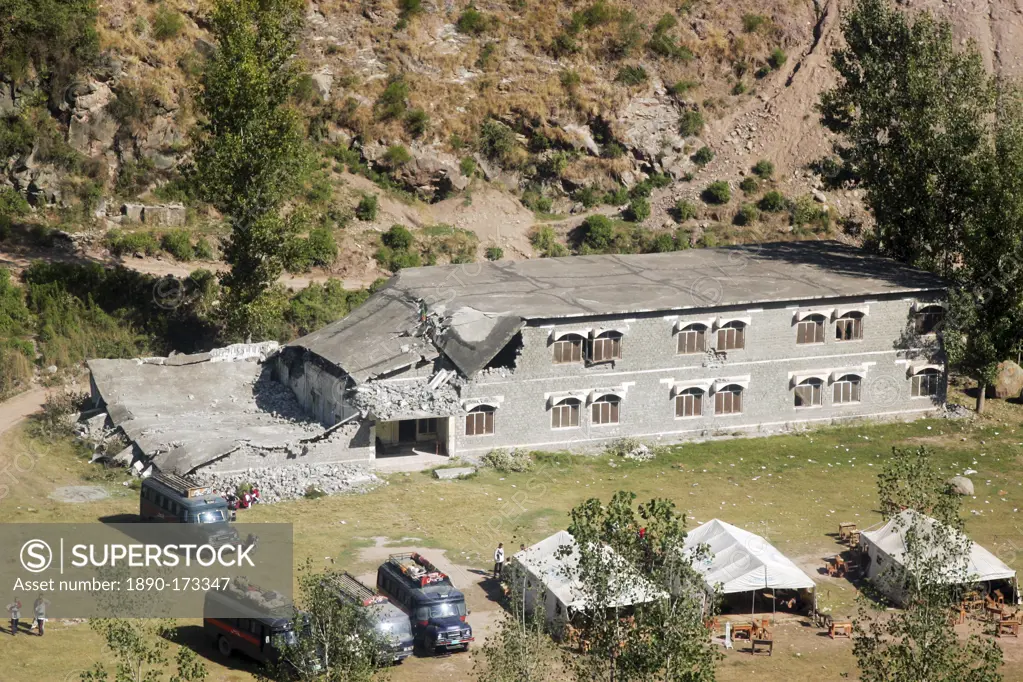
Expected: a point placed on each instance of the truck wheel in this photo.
(224, 647)
(466, 647)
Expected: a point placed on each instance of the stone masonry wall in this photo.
(649, 365)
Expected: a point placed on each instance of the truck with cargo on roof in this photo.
(247, 619)
(435, 608)
(390, 623)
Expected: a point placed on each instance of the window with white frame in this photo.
(689, 403)
(605, 409)
(692, 339)
(732, 336)
(846, 390)
(926, 383)
(926, 320)
(565, 414)
(606, 346)
(849, 327)
(480, 421)
(728, 400)
(810, 330)
(809, 393)
(567, 349)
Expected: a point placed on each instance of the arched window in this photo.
(565, 414)
(605, 409)
(606, 346)
(849, 327)
(847, 390)
(689, 403)
(809, 393)
(728, 400)
(810, 330)
(732, 336)
(569, 348)
(926, 320)
(926, 383)
(692, 339)
(480, 421)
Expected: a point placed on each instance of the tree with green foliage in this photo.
(250, 155)
(638, 210)
(140, 649)
(932, 574)
(664, 640)
(937, 145)
(598, 232)
(55, 37)
(366, 209)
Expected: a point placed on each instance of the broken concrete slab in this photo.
(453, 473)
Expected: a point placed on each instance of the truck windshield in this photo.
(284, 639)
(211, 516)
(454, 608)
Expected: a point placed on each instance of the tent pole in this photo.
(774, 606)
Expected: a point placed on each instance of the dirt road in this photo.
(20, 406)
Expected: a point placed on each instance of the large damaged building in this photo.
(570, 353)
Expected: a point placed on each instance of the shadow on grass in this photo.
(196, 639)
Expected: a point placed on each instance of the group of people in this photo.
(499, 559)
(38, 610)
(242, 500)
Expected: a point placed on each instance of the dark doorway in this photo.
(407, 431)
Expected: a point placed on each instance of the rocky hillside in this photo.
(488, 117)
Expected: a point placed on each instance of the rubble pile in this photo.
(954, 411)
(291, 482)
(640, 453)
(388, 400)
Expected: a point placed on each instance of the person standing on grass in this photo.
(498, 559)
(14, 608)
(39, 610)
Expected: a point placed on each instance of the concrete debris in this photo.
(451, 474)
(640, 453)
(960, 485)
(952, 411)
(387, 400)
(291, 482)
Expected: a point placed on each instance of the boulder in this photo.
(170, 215)
(6, 99)
(960, 485)
(581, 138)
(1008, 381)
(432, 172)
(91, 129)
(451, 474)
(649, 128)
(324, 81)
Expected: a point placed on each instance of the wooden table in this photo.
(845, 528)
(742, 631)
(1008, 627)
(766, 644)
(840, 629)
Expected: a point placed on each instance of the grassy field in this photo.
(793, 490)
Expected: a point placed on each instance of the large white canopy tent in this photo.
(553, 578)
(740, 561)
(886, 546)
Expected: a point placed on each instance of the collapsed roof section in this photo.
(469, 312)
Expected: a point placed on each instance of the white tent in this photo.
(887, 545)
(552, 577)
(741, 561)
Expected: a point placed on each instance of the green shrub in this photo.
(408, 10)
(717, 192)
(203, 249)
(805, 211)
(703, 156)
(690, 123)
(777, 58)
(749, 185)
(391, 103)
(545, 240)
(752, 22)
(367, 208)
(416, 122)
(762, 72)
(612, 150)
(178, 243)
(472, 22)
(397, 155)
(497, 141)
(665, 23)
(773, 202)
(506, 462)
(321, 247)
(747, 215)
(664, 243)
(588, 196)
(684, 210)
(121, 243)
(597, 232)
(398, 238)
(682, 87)
(638, 210)
(659, 180)
(167, 23)
(395, 260)
(12, 205)
(763, 168)
(738, 88)
(631, 75)
(570, 79)
(318, 305)
(467, 166)
(617, 196)
(313, 493)
(665, 45)
(494, 253)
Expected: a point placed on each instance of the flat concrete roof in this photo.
(478, 307)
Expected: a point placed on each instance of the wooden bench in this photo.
(1008, 627)
(766, 644)
(844, 529)
(840, 629)
(854, 538)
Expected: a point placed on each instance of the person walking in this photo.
(14, 608)
(39, 611)
(498, 559)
